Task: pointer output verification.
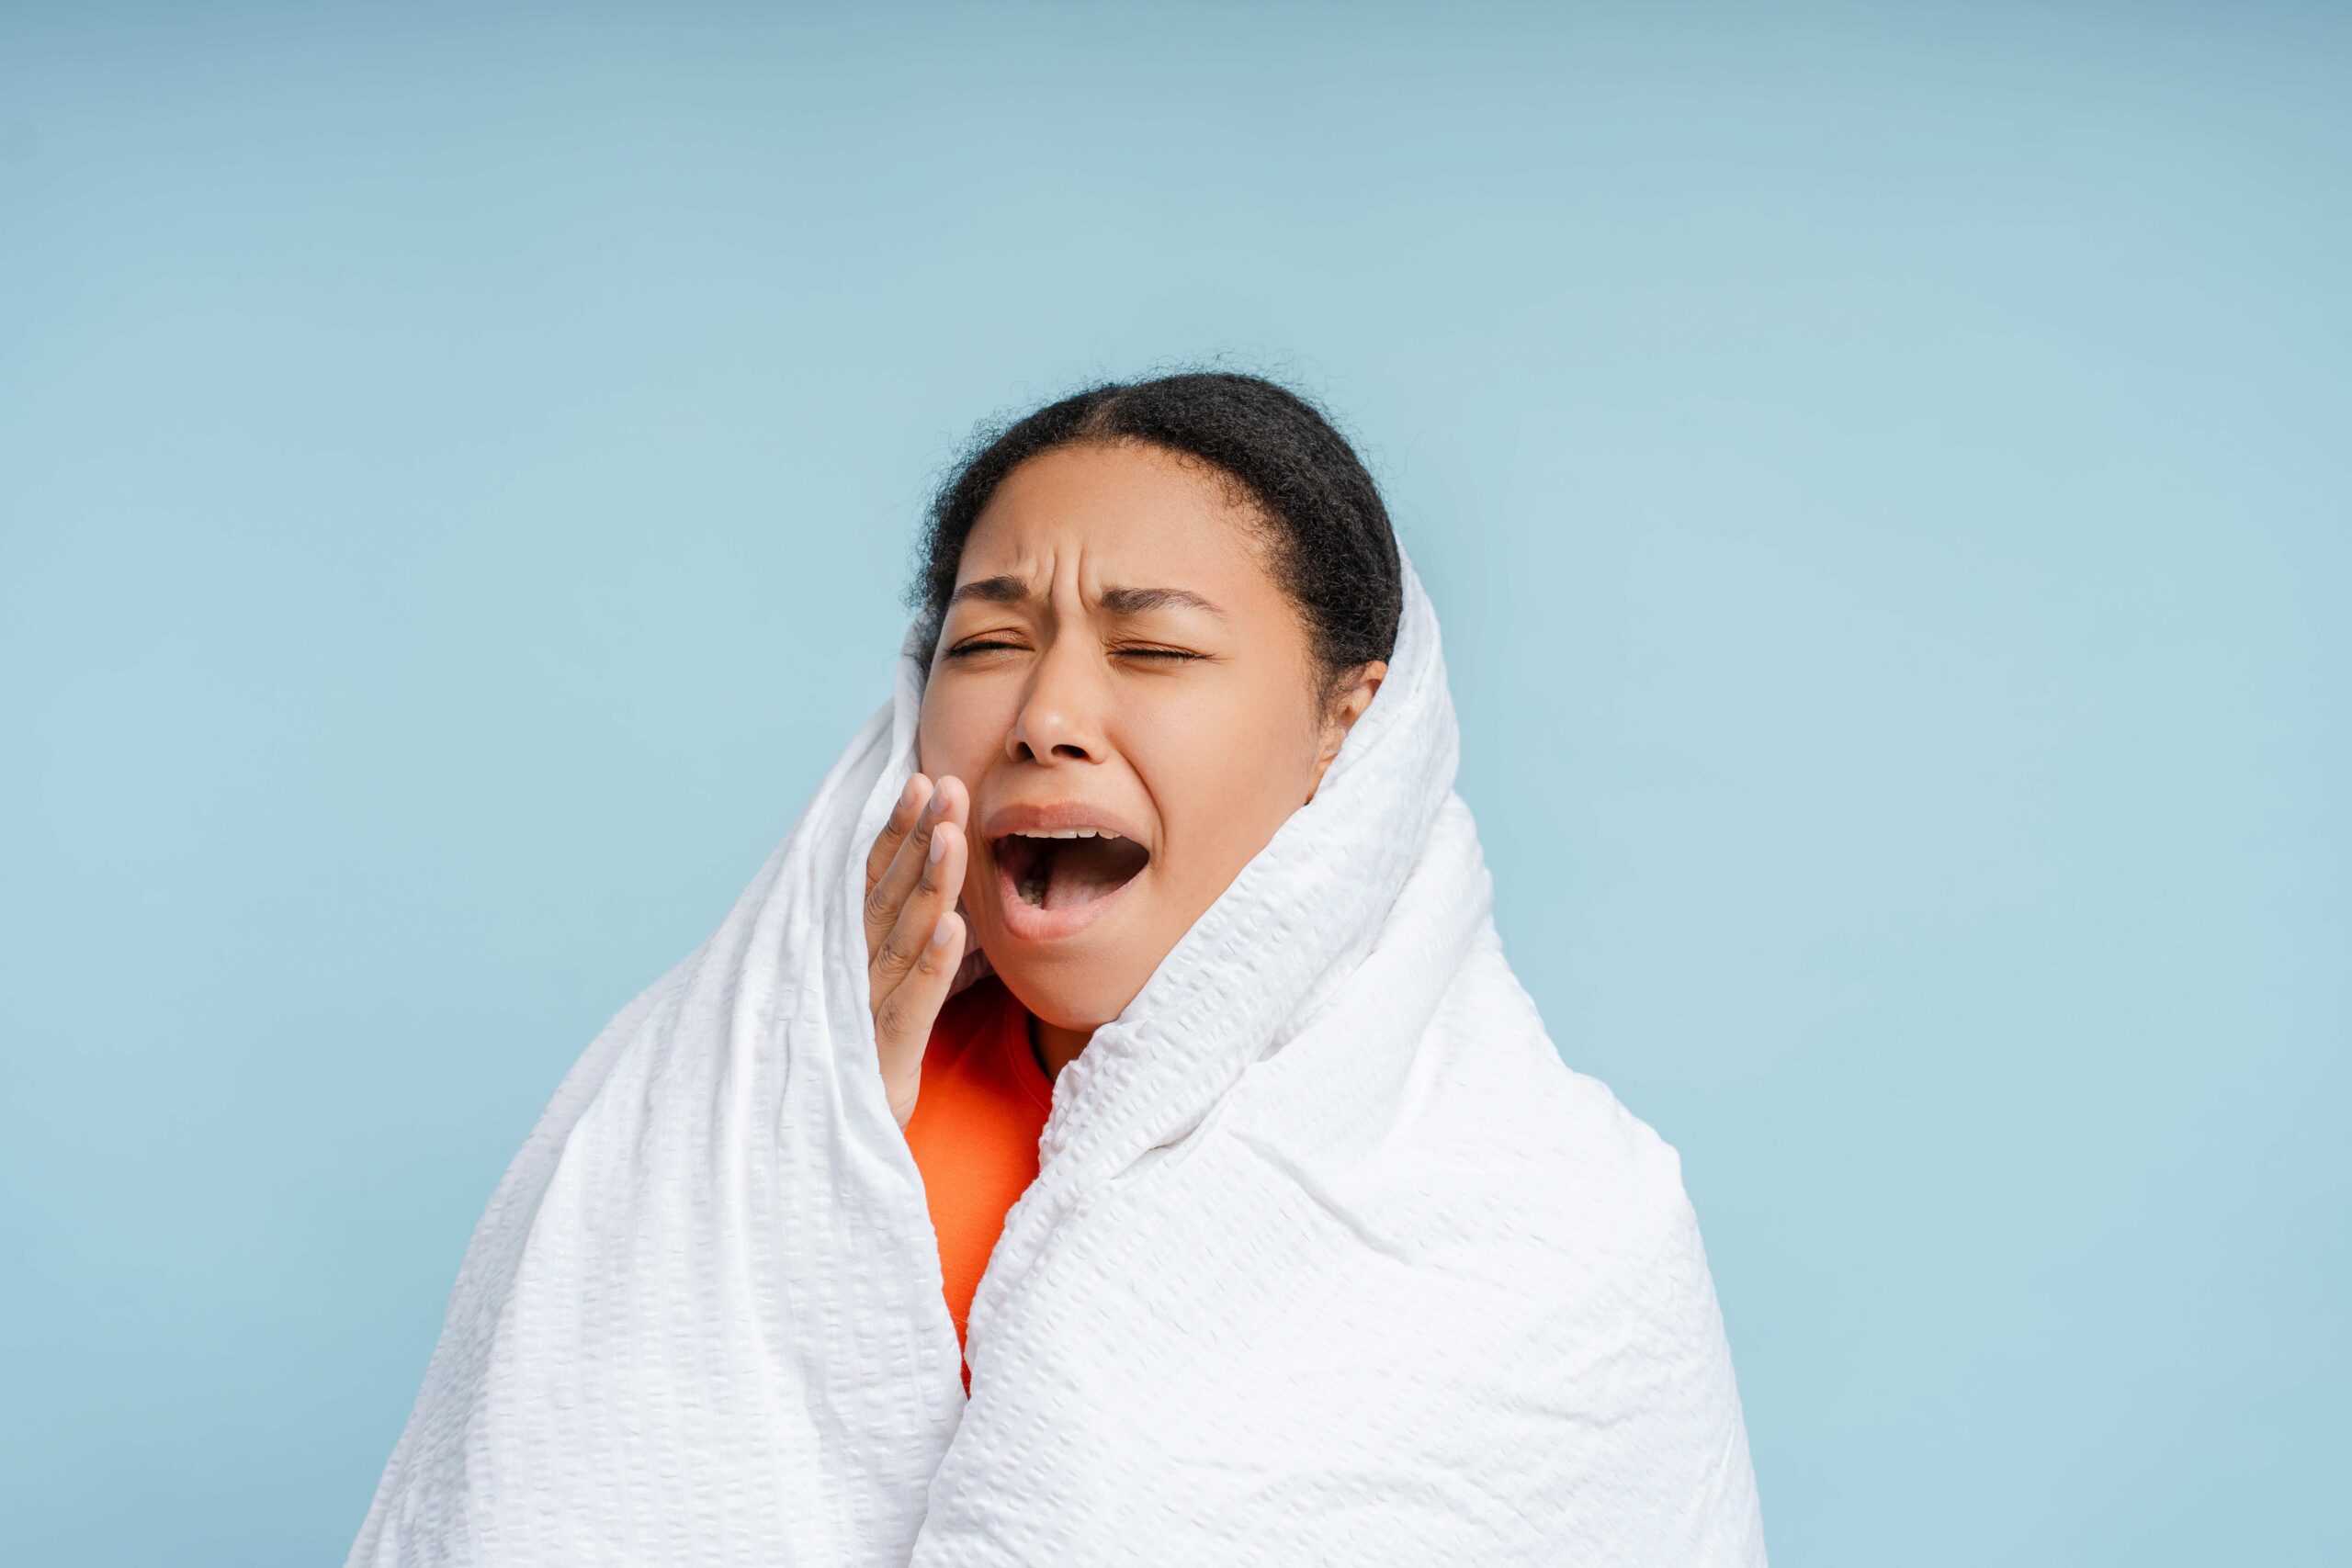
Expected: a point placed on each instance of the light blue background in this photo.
(1882, 471)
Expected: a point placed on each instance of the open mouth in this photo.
(1069, 867)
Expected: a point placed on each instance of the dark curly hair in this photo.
(1334, 551)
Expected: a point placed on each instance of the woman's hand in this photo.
(915, 939)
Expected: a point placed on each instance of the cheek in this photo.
(956, 735)
(1223, 776)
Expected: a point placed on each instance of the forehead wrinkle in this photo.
(1019, 585)
(1005, 588)
(1122, 601)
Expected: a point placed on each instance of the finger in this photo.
(911, 798)
(947, 801)
(902, 1024)
(887, 893)
(932, 895)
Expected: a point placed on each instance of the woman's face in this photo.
(1131, 699)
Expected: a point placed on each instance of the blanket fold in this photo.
(1329, 1256)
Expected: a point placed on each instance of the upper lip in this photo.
(1058, 816)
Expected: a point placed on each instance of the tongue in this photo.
(1078, 871)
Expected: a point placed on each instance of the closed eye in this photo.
(987, 645)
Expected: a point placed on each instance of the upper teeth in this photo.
(1063, 833)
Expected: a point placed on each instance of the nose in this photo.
(1061, 716)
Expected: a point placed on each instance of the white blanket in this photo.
(1331, 1259)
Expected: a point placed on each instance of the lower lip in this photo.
(1024, 921)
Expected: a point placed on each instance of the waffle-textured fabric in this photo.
(1329, 1259)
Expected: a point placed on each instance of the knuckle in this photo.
(890, 1018)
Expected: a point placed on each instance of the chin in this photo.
(1067, 989)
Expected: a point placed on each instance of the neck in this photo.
(1055, 1048)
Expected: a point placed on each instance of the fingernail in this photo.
(938, 847)
(939, 932)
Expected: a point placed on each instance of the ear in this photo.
(1347, 705)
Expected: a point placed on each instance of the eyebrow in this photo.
(1007, 589)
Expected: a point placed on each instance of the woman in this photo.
(1126, 1007)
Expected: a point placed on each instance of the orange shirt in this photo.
(974, 1132)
